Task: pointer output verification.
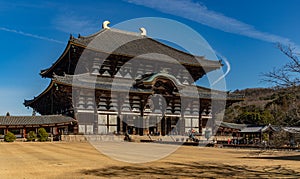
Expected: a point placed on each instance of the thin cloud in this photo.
(31, 35)
(70, 23)
(199, 13)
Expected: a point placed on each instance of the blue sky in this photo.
(34, 34)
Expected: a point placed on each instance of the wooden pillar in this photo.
(200, 123)
(95, 124)
(158, 124)
(141, 118)
(261, 137)
(119, 124)
(163, 126)
(201, 109)
(123, 120)
(24, 132)
(180, 124)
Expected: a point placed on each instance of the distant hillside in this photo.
(266, 105)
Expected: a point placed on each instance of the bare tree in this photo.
(287, 75)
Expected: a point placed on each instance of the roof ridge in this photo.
(110, 29)
(126, 32)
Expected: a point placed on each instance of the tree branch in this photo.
(288, 75)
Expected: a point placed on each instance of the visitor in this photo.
(229, 141)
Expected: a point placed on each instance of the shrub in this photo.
(31, 136)
(42, 135)
(9, 137)
(279, 139)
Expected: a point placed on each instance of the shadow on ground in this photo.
(292, 158)
(193, 170)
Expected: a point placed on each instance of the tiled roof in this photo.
(232, 125)
(129, 44)
(34, 120)
(98, 82)
(251, 129)
(294, 130)
(133, 44)
(260, 129)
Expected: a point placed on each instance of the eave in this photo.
(48, 73)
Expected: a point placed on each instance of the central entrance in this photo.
(172, 126)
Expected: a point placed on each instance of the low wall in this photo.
(83, 138)
(73, 138)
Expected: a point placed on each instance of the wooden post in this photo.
(24, 132)
(261, 136)
(158, 124)
(141, 118)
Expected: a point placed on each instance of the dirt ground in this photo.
(82, 160)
